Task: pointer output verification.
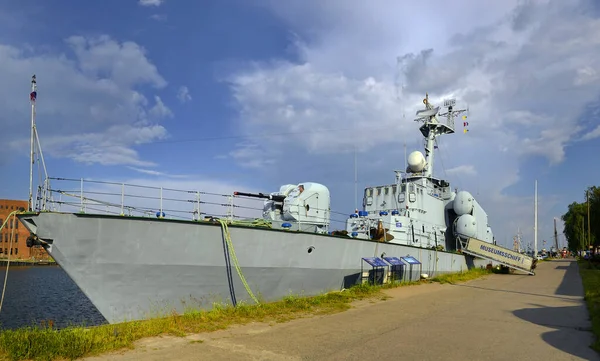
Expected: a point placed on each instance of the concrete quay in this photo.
(499, 317)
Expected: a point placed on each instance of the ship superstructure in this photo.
(419, 209)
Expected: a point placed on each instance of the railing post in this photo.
(122, 198)
(161, 202)
(198, 199)
(81, 196)
(44, 204)
(230, 210)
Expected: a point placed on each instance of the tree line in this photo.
(576, 221)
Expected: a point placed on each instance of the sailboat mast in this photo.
(535, 221)
(32, 98)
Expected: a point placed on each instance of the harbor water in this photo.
(38, 294)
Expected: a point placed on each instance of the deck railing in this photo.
(92, 196)
(104, 197)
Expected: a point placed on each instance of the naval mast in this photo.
(32, 98)
(432, 128)
(35, 144)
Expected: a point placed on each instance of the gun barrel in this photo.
(277, 198)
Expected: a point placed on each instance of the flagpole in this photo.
(32, 97)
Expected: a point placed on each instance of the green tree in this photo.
(576, 221)
(594, 199)
(574, 225)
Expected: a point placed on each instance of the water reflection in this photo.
(42, 293)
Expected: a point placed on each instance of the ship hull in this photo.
(136, 268)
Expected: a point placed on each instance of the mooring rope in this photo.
(227, 236)
(12, 236)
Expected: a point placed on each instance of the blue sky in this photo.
(232, 95)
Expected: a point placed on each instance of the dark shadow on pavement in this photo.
(569, 334)
(571, 282)
(570, 299)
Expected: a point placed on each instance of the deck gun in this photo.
(273, 197)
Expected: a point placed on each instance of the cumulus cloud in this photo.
(525, 70)
(89, 107)
(463, 169)
(183, 94)
(150, 2)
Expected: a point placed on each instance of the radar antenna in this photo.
(432, 127)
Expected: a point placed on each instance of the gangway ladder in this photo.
(504, 256)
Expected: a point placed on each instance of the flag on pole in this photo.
(33, 96)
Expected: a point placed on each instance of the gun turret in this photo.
(276, 198)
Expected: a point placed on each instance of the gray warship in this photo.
(139, 265)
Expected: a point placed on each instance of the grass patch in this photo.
(590, 276)
(471, 274)
(47, 343)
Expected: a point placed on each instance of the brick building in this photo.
(19, 249)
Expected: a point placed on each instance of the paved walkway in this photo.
(501, 317)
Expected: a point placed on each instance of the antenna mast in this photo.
(432, 127)
(355, 179)
(32, 98)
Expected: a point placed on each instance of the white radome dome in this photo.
(416, 161)
(463, 203)
(466, 226)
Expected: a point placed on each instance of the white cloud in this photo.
(160, 110)
(251, 155)
(88, 105)
(592, 135)
(322, 111)
(524, 69)
(150, 2)
(468, 170)
(158, 17)
(183, 94)
(156, 173)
